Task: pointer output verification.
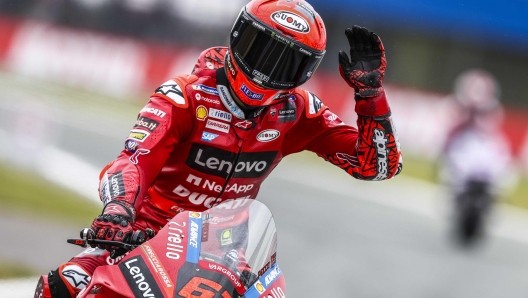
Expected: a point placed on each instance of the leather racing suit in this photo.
(192, 147)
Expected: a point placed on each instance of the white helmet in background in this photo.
(477, 90)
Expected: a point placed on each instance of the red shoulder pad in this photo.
(173, 90)
(312, 104)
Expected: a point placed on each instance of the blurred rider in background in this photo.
(476, 160)
(213, 135)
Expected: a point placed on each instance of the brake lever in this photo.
(86, 242)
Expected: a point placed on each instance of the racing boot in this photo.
(65, 282)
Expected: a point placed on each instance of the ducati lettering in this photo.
(291, 21)
(139, 278)
(174, 240)
(147, 123)
(195, 197)
(154, 111)
(218, 162)
(380, 141)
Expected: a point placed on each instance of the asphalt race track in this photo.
(337, 237)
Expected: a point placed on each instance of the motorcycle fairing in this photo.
(270, 284)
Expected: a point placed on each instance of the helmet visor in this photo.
(270, 59)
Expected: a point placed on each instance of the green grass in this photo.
(9, 269)
(30, 195)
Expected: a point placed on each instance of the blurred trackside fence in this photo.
(125, 67)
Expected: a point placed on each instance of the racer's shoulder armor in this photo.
(313, 106)
(210, 60)
(173, 90)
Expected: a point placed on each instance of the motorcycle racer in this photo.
(214, 135)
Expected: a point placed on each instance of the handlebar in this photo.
(88, 239)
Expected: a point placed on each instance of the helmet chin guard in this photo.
(275, 46)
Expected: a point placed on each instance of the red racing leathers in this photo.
(191, 149)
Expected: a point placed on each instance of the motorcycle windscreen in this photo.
(271, 60)
(239, 235)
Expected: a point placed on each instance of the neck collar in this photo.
(230, 100)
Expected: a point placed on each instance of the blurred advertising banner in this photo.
(126, 67)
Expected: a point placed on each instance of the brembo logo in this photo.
(291, 21)
(221, 163)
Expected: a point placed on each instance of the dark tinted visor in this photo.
(269, 59)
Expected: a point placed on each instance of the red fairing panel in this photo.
(189, 151)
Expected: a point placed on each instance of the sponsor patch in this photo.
(131, 146)
(221, 163)
(172, 90)
(139, 278)
(226, 237)
(229, 102)
(291, 21)
(147, 123)
(206, 89)
(112, 186)
(382, 154)
(268, 135)
(209, 100)
(315, 104)
(76, 276)
(250, 94)
(218, 114)
(208, 137)
(217, 125)
(201, 113)
(134, 158)
(245, 125)
(138, 135)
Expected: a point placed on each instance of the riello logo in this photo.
(291, 21)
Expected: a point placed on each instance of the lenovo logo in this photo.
(221, 163)
(139, 278)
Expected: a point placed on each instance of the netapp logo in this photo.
(221, 163)
(139, 278)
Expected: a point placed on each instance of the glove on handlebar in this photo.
(115, 223)
(366, 68)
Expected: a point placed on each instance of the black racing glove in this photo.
(115, 223)
(366, 68)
